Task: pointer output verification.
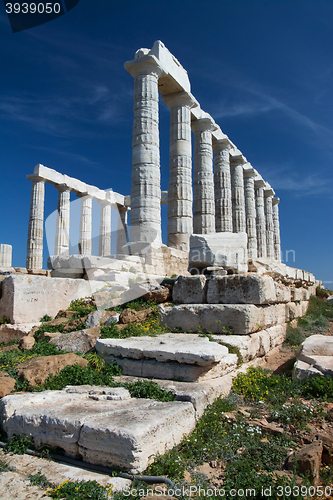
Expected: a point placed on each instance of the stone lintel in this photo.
(259, 183)
(249, 171)
(268, 192)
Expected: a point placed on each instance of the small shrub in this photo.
(19, 444)
(5, 320)
(45, 318)
(149, 390)
(318, 387)
(3, 466)
(95, 361)
(294, 336)
(39, 480)
(72, 490)
(256, 385)
(82, 375)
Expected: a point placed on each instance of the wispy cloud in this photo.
(72, 156)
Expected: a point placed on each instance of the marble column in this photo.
(269, 193)
(259, 185)
(180, 224)
(203, 180)
(85, 225)
(121, 229)
(61, 246)
(105, 229)
(222, 186)
(250, 211)
(36, 222)
(237, 191)
(5, 255)
(276, 222)
(146, 190)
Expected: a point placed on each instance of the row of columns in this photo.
(229, 200)
(61, 247)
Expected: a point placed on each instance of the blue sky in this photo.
(262, 69)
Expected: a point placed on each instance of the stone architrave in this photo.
(36, 222)
(85, 225)
(121, 228)
(250, 211)
(146, 190)
(61, 246)
(5, 255)
(259, 185)
(203, 181)
(105, 229)
(222, 186)
(276, 222)
(269, 193)
(237, 189)
(180, 225)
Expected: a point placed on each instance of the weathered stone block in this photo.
(189, 290)
(227, 250)
(296, 294)
(317, 345)
(124, 433)
(10, 332)
(82, 341)
(238, 289)
(282, 292)
(27, 298)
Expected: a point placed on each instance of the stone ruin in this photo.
(240, 292)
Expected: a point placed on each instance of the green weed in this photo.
(39, 480)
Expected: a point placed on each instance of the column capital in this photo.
(35, 178)
(236, 157)
(249, 171)
(62, 187)
(203, 124)
(268, 192)
(276, 200)
(180, 99)
(259, 183)
(104, 203)
(144, 66)
(222, 144)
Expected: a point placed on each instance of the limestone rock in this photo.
(36, 370)
(27, 298)
(113, 319)
(82, 341)
(303, 371)
(74, 325)
(282, 292)
(131, 316)
(27, 342)
(66, 314)
(189, 290)
(99, 317)
(308, 460)
(238, 289)
(124, 433)
(10, 332)
(14, 485)
(327, 440)
(317, 345)
(7, 384)
(228, 250)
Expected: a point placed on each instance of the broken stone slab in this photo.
(132, 316)
(82, 341)
(189, 290)
(55, 472)
(110, 393)
(36, 370)
(228, 250)
(14, 485)
(200, 394)
(10, 332)
(316, 345)
(27, 298)
(256, 344)
(99, 317)
(241, 289)
(239, 319)
(183, 348)
(304, 371)
(124, 434)
(149, 290)
(324, 364)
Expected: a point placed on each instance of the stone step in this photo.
(116, 433)
(170, 356)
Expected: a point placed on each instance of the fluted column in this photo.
(180, 224)
(276, 222)
(146, 190)
(105, 229)
(250, 212)
(5, 255)
(203, 181)
(61, 246)
(259, 185)
(121, 228)
(269, 193)
(238, 198)
(222, 186)
(36, 222)
(85, 225)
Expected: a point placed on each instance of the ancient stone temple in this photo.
(224, 213)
